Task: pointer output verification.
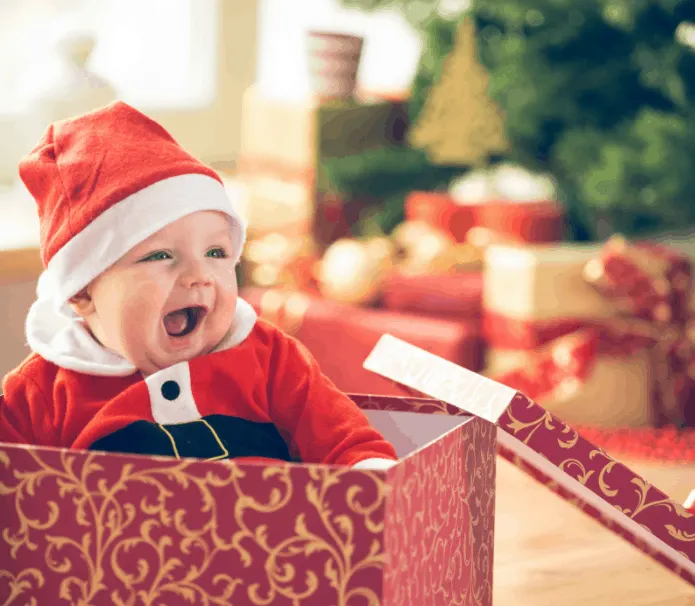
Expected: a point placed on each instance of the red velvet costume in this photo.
(269, 378)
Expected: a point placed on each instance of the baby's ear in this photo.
(82, 303)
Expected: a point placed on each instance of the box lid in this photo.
(553, 453)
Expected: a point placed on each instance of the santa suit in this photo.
(260, 394)
(103, 183)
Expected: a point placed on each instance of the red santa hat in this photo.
(104, 182)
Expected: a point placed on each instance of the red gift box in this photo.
(454, 295)
(439, 210)
(552, 452)
(341, 336)
(84, 527)
(531, 222)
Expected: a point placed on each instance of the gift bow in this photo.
(649, 286)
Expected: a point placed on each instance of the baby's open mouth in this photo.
(184, 321)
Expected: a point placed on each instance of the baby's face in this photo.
(169, 299)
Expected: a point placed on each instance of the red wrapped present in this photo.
(531, 222)
(451, 295)
(552, 452)
(341, 336)
(602, 334)
(83, 527)
(439, 210)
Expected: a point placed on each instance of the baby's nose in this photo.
(196, 274)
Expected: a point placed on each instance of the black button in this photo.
(171, 390)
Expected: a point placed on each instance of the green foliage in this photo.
(601, 94)
(380, 172)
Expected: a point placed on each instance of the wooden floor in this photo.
(547, 553)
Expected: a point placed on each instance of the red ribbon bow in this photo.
(649, 286)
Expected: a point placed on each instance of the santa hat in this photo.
(104, 182)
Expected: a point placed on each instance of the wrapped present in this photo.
(85, 527)
(531, 222)
(451, 295)
(294, 136)
(287, 203)
(552, 452)
(598, 334)
(320, 324)
(439, 210)
(513, 203)
(283, 146)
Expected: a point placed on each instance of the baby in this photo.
(140, 343)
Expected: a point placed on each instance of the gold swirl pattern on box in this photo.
(94, 528)
(613, 482)
(440, 519)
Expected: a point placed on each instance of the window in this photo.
(157, 54)
(185, 62)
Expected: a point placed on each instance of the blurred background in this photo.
(187, 63)
(506, 184)
(448, 171)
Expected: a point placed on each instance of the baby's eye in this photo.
(217, 253)
(160, 255)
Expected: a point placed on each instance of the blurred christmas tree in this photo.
(599, 93)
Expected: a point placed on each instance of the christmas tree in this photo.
(598, 93)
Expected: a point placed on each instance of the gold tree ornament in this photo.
(459, 123)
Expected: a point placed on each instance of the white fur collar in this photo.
(67, 343)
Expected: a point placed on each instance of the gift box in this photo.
(552, 452)
(610, 349)
(283, 145)
(514, 222)
(450, 295)
(321, 324)
(531, 222)
(439, 210)
(83, 527)
(298, 133)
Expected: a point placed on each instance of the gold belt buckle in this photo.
(225, 452)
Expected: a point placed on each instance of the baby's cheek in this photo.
(140, 313)
(227, 280)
